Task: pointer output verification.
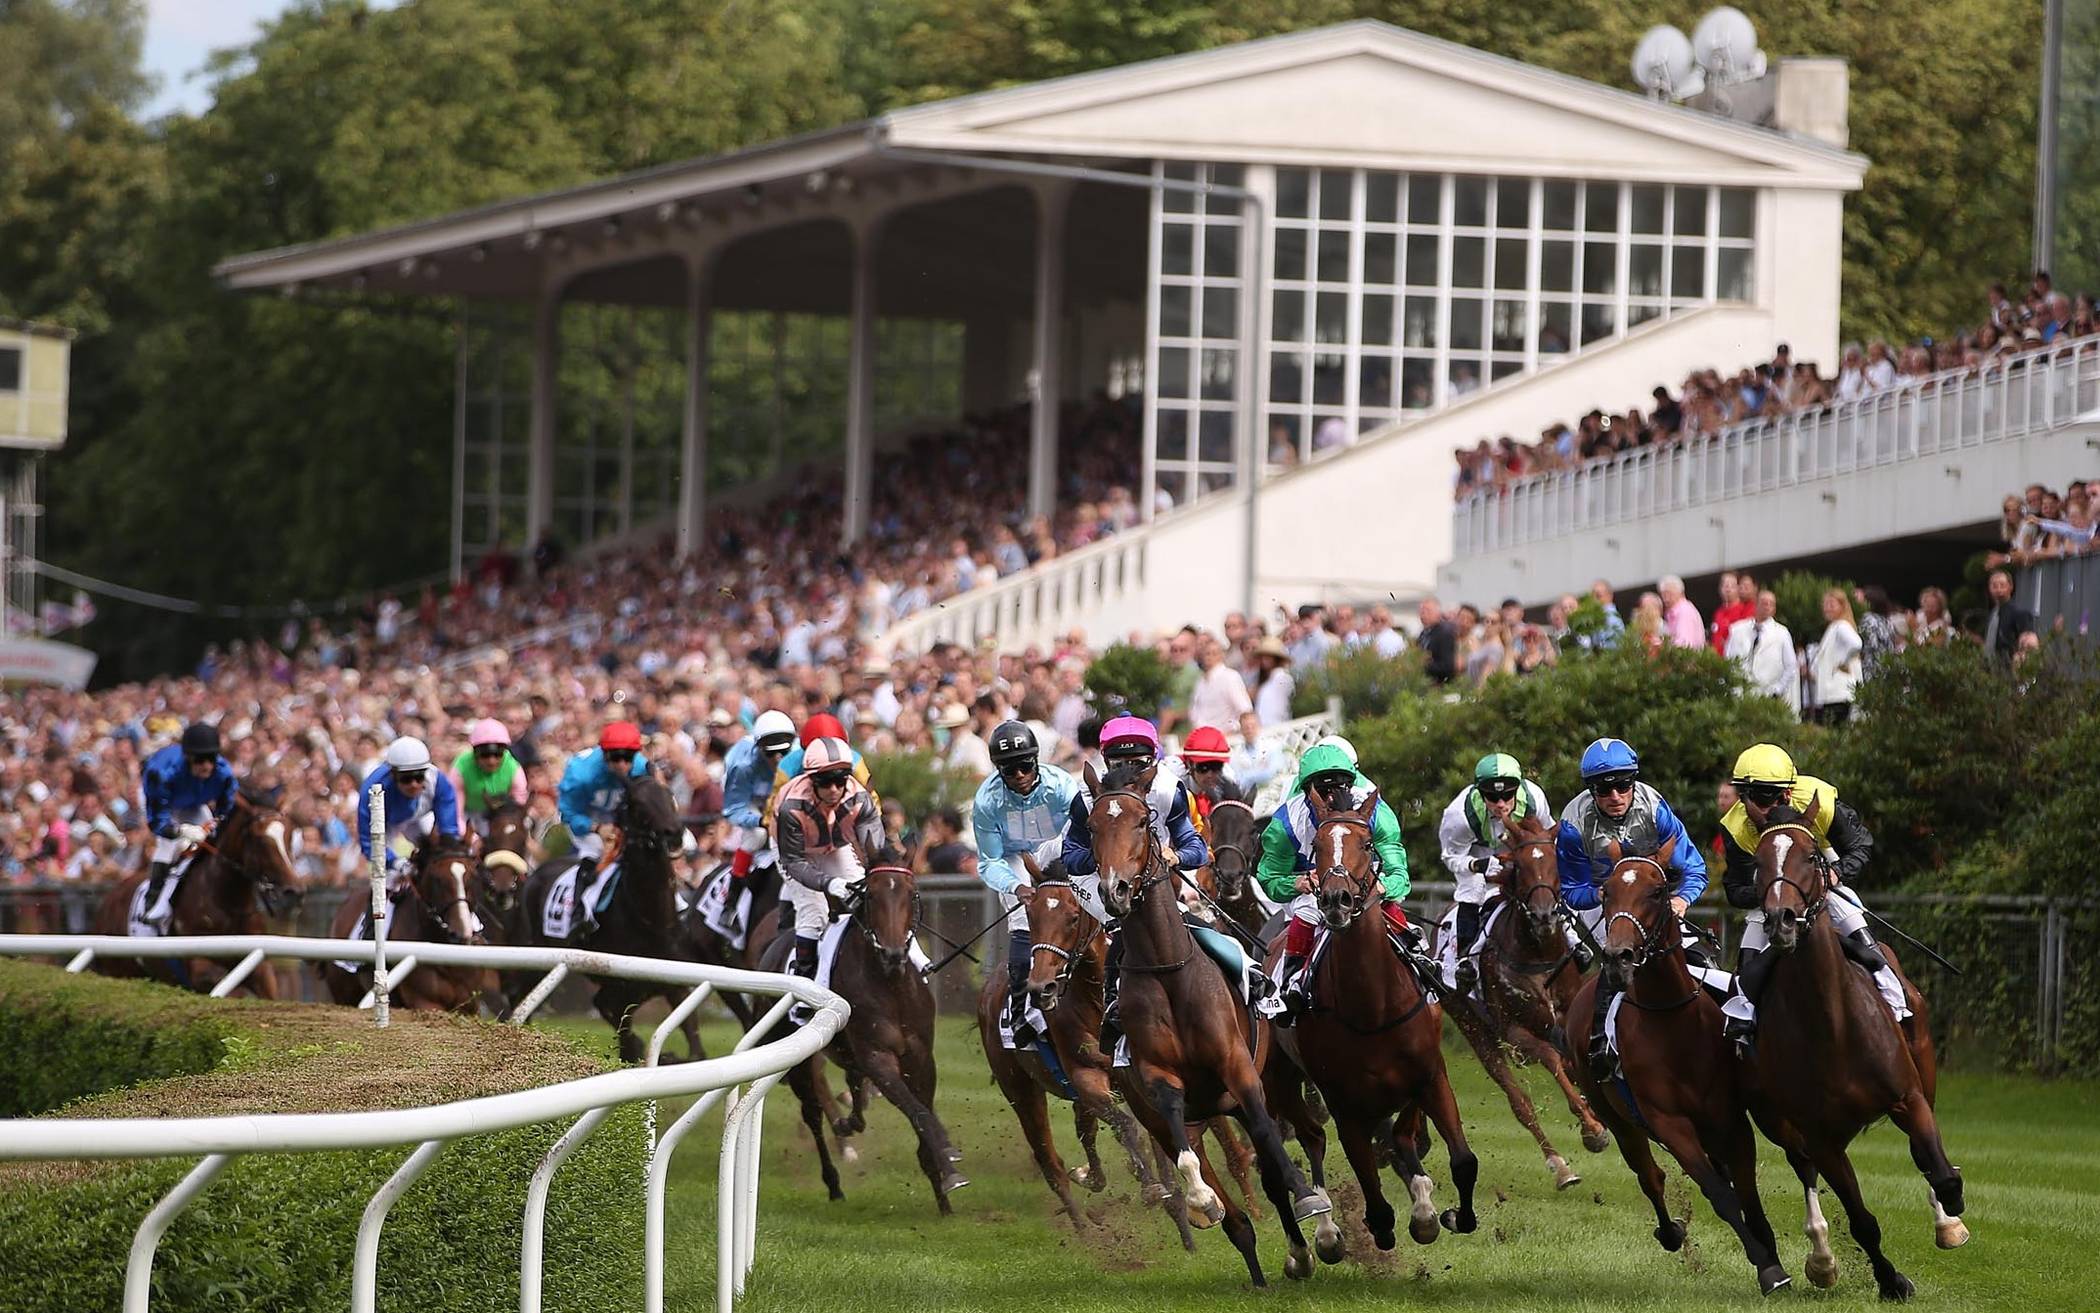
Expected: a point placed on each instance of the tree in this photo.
(65, 59)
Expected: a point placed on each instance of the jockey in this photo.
(593, 785)
(830, 825)
(1327, 772)
(823, 725)
(1023, 806)
(486, 776)
(188, 786)
(1765, 781)
(1617, 807)
(1474, 828)
(747, 789)
(1128, 741)
(1204, 754)
(417, 802)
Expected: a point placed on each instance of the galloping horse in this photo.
(506, 860)
(1528, 977)
(1679, 1083)
(242, 873)
(642, 918)
(1195, 1050)
(1066, 976)
(1832, 1059)
(437, 907)
(889, 1037)
(1372, 1041)
(1235, 848)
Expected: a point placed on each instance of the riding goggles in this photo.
(832, 779)
(622, 755)
(1205, 767)
(1020, 768)
(203, 758)
(408, 777)
(1764, 795)
(1606, 785)
(489, 750)
(1499, 790)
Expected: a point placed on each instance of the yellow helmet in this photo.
(1764, 763)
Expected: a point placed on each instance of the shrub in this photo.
(1800, 597)
(920, 782)
(1134, 677)
(1367, 683)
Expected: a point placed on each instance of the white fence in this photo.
(1928, 417)
(1045, 599)
(742, 1078)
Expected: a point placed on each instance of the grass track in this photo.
(2029, 1150)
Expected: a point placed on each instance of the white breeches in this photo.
(589, 845)
(167, 850)
(1846, 916)
(813, 906)
(752, 839)
(1472, 885)
(1306, 908)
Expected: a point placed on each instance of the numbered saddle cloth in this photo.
(145, 922)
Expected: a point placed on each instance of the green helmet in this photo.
(1497, 766)
(1323, 759)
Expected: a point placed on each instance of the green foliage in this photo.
(1134, 677)
(920, 782)
(1800, 597)
(66, 1037)
(1367, 683)
(1587, 620)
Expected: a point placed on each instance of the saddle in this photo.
(137, 925)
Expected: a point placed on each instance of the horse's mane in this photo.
(1125, 775)
(255, 795)
(1784, 813)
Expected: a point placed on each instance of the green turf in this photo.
(2030, 1152)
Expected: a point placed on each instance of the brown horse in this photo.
(1195, 1050)
(889, 1037)
(436, 907)
(1067, 972)
(1372, 1041)
(1528, 977)
(1235, 850)
(1832, 1059)
(1679, 1083)
(642, 918)
(241, 876)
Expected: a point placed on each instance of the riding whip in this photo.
(1251, 941)
(964, 946)
(1911, 939)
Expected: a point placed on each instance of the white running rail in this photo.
(2023, 394)
(1044, 599)
(743, 1078)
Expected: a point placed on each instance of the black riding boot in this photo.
(802, 962)
(1603, 1066)
(1753, 971)
(1017, 951)
(1468, 932)
(1290, 993)
(157, 878)
(1861, 948)
(1111, 995)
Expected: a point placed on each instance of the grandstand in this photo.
(1323, 259)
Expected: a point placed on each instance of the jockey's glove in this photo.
(190, 833)
(839, 888)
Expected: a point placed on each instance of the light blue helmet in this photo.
(1609, 757)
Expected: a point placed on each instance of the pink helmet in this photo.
(1128, 731)
(486, 732)
(826, 754)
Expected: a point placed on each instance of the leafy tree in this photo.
(1136, 678)
(1367, 683)
(1799, 594)
(65, 60)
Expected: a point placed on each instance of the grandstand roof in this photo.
(1359, 94)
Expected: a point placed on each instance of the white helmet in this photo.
(774, 731)
(407, 754)
(1347, 748)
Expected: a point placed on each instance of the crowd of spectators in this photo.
(1711, 401)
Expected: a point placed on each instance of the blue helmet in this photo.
(1609, 757)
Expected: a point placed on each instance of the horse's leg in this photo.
(1594, 1137)
(936, 1153)
(1360, 1144)
(802, 1080)
(1916, 1119)
(1488, 1048)
(1639, 1154)
(695, 1051)
(1822, 1266)
(1087, 1127)
(1441, 1106)
(1682, 1139)
(1837, 1169)
(1739, 1159)
(1152, 1182)
(1239, 1161)
(1175, 1201)
(1406, 1162)
(1283, 1089)
(1238, 1228)
(1030, 1105)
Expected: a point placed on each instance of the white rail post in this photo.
(138, 1273)
(364, 1269)
(376, 800)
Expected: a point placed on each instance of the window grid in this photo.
(1391, 294)
(1194, 365)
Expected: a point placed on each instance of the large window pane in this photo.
(1600, 207)
(1334, 255)
(1374, 382)
(1382, 197)
(1470, 206)
(1177, 250)
(1174, 371)
(1417, 383)
(1219, 373)
(1329, 382)
(1425, 198)
(1559, 199)
(1174, 310)
(1221, 251)
(1734, 274)
(1290, 254)
(1557, 267)
(1377, 320)
(1688, 211)
(1419, 328)
(1422, 270)
(1287, 322)
(1687, 273)
(1644, 276)
(1293, 193)
(1334, 193)
(1557, 330)
(1286, 377)
(1173, 434)
(1221, 312)
(1738, 211)
(1510, 260)
(1214, 437)
(1647, 207)
(1468, 262)
(1173, 199)
(1331, 318)
(1513, 203)
(1381, 260)
(1600, 267)
(1509, 328)
(1465, 323)
(1599, 320)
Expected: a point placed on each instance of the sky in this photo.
(180, 36)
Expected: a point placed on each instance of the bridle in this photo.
(1068, 958)
(883, 952)
(436, 911)
(1359, 887)
(268, 890)
(1657, 941)
(1239, 850)
(1519, 903)
(1811, 906)
(1157, 871)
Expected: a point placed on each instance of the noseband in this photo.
(860, 906)
(1155, 870)
(1068, 959)
(435, 910)
(1811, 906)
(1656, 941)
(1359, 889)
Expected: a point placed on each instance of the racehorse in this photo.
(506, 859)
(1195, 1050)
(1832, 1060)
(642, 918)
(1067, 972)
(708, 945)
(1235, 850)
(1372, 1039)
(437, 907)
(241, 875)
(1678, 1084)
(888, 1039)
(1528, 976)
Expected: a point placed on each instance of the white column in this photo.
(1053, 202)
(539, 465)
(860, 383)
(692, 458)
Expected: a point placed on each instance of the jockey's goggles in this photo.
(619, 754)
(408, 777)
(1205, 767)
(832, 779)
(1606, 785)
(1019, 768)
(490, 750)
(1764, 795)
(1498, 790)
(203, 758)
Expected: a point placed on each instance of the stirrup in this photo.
(1741, 1033)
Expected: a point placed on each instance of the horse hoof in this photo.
(1773, 1279)
(1204, 1221)
(1315, 1204)
(1822, 1271)
(1598, 1142)
(1422, 1230)
(1948, 1193)
(848, 1154)
(1670, 1237)
(1327, 1241)
(1897, 1288)
(1385, 1240)
(1454, 1220)
(952, 1182)
(1563, 1175)
(837, 1195)
(1297, 1265)
(1950, 1234)
(953, 1154)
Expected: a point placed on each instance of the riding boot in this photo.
(1290, 995)
(1112, 995)
(1753, 971)
(1017, 951)
(1468, 934)
(803, 963)
(1861, 948)
(586, 917)
(154, 881)
(1603, 1064)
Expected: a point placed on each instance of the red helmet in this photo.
(621, 736)
(1206, 744)
(823, 725)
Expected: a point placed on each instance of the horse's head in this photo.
(1232, 841)
(504, 855)
(444, 873)
(1635, 900)
(889, 911)
(1531, 874)
(256, 840)
(1062, 932)
(648, 819)
(1790, 881)
(1121, 823)
(1342, 860)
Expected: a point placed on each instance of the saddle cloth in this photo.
(558, 916)
(725, 905)
(1035, 1019)
(145, 922)
(363, 930)
(1447, 941)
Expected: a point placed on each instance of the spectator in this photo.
(1383, 638)
(1273, 682)
(1932, 626)
(1438, 642)
(943, 849)
(1852, 375)
(1681, 620)
(1491, 654)
(1220, 695)
(1738, 601)
(1837, 660)
(1763, 648)
(1877, 635)
(1535, 650)
(2008, 621)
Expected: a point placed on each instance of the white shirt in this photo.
(1765, 651)
(1272, 702)
(1220, 697)
(1837, 663)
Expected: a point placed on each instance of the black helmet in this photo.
(200, 740)
(1012, 743)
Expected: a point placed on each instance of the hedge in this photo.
(275, 1231)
